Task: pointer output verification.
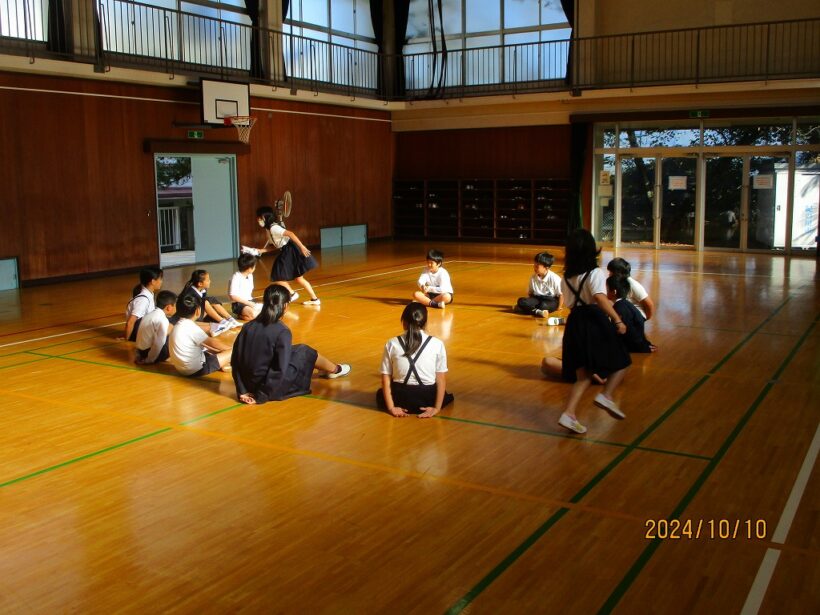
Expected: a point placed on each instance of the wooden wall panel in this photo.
(77, 191)
(519, 152)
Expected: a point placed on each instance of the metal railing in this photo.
(132, 34)
(170, 237)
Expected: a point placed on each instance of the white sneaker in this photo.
(556, 320)
(609, 405)
(342, 372)
(315, 301)
(232, 321)
(294, 296)
(572, 424)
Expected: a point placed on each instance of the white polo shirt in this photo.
(185, 347)
(141, 304)
(637, 293)
(548, 286)
(276, 236)
(241, 285)
(431, 361)
(152, 334)
(439, 282)
(595, 284)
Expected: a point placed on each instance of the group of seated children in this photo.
(182, 328)
(268, 366)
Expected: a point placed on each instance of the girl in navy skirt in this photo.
(294, 259)
(266, 364)
(414, 369)
(590, 345)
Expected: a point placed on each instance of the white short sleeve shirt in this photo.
(140, 305)
(548, 286)
(241, 286)
(277, 236)
(185, 347)
(152, 334)
(439, 282)
(432, 360)
(595, 284)
(637, 293)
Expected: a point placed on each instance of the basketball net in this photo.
(243, 124)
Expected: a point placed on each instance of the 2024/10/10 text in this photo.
(712, 529)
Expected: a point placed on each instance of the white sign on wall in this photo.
(677, 182)
(763, 182)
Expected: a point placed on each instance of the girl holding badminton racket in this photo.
(294, 259)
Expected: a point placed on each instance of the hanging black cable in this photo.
(442, 80)
(431, 16)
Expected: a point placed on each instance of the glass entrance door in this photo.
(677, 204)
(638, 200)
(723, 202)
(768, 188)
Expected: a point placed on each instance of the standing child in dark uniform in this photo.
(267, 366)
(590, 344)
(294, 259)
(634, 339)
(414, 369)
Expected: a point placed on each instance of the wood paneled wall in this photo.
(519, 152)
(77, 191)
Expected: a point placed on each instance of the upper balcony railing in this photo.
(130, 34)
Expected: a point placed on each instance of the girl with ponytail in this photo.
(414, 369)
(266, 364)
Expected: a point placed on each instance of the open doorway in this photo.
(196, 208)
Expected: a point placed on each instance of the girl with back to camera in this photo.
(414, 369)
(294, 259)
(590, 344)
(267, 366)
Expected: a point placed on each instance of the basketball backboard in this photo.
(221, 99)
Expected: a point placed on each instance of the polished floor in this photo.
(126, 489)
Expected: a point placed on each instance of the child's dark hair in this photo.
(619, 284)
(437, 256)
(267, 214)
(196, 277)
(245, 261)
(544, 258)
(619, 267)
(166, 298)
(581, 253)
(414, 317)
(187, 306)
(147, 275)
(274, 303)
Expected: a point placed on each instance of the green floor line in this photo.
(497, 571)
(25, 362)
(82, 457)
(629, 578)
(82, 339)
(114, 447)
(537, 432)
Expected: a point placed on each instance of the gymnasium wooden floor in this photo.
(133, 490)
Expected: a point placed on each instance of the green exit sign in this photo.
(196, 134)
(699, 113)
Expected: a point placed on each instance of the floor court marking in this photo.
(764, 574)
(48, 337)
(488, 579)
(382, 468)
(636, 568)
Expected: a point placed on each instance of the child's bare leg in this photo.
(247, 313)
(550, 366)
(285, 284)
(306, 285)
(221, 310)
(613, 381)
(421, 298)
(581, 384)
(324, 364)
(443, 298)
(224, 359)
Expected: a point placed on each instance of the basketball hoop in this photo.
(243, 124)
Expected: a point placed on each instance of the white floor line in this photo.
(48, 337)
(767, 566)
